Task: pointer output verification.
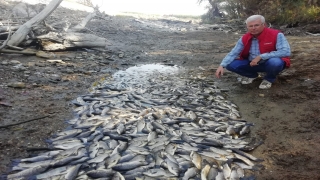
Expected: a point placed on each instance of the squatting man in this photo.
(261, 49)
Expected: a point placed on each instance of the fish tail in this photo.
(4, 177)
(15, 161)
(32, 177)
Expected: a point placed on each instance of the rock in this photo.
(40, 64)
(17, 85)
(183, 29)
(45, 54)
(55, 77)
(19, 67)
(4, 63)
(261, 95)
(31, 64)
(121, 55)
(55, 61)
(14, 62)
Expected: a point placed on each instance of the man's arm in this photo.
(233, 54)
(282, 46)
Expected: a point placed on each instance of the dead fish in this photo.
(152, 135)
(190, 173)
(213, 172)
(246, 155)
(127, 157)
(205, 172)
(112, 160)
(99, 158)
(129, 165)
(118, 176)
(93, 149)
(172, 167)
(60, 162)
(234, 174)
(66, 134)
(121, 128)
(171, 148)
(245, 130)
(158, 173)
(100, 173)
(29, 172)
(226, 170)
(196, 159)
(191, 115)
(52, 173)
(35, 159)
(72, 172)
(220, 176)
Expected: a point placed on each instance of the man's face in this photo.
(255, 27)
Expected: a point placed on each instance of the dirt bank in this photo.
(286, 117)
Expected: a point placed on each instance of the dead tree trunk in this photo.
(63, 41)
(24, 30)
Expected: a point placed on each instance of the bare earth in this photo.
(286, 117)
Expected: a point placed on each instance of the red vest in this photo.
(267, 43)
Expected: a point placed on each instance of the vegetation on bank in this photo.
(290, 12)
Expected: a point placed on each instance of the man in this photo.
(261, 49)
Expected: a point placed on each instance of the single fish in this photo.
(112, 160)
(196, 159)
(171, 148)
(100, 173)
(172, 167)
(72, 172)
(205, 172)
(158, 173)
(129, 165)
(29, 172)
(190, 173)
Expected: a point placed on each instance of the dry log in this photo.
(57, 41)
(24, 30)
(6, 41)
(17, 52)
(6, 28)
(83, 23)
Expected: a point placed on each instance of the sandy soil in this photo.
(286, 116)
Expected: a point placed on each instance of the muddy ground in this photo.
(286, 116)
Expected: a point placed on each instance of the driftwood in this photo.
(17, 52)
(84, 22)
(63, 41)
(6, 41)
(6, 28)
(69, 38)
(24, 30)
(14, 124)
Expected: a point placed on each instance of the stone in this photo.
(17, 85)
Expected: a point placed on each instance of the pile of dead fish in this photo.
(161, 128)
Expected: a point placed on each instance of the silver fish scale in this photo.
(154, 124)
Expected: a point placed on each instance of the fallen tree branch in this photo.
(31, 149)
(8, 38)
(6, 28)
(16, 52)
(14, 124)
(83, 23)
(313, 34)
(15, 48)
(24, 30)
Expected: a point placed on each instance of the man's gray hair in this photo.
(254, 18)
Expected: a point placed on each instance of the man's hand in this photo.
(255, 61)
(219, 72)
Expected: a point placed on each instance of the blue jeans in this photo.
(272, 67)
